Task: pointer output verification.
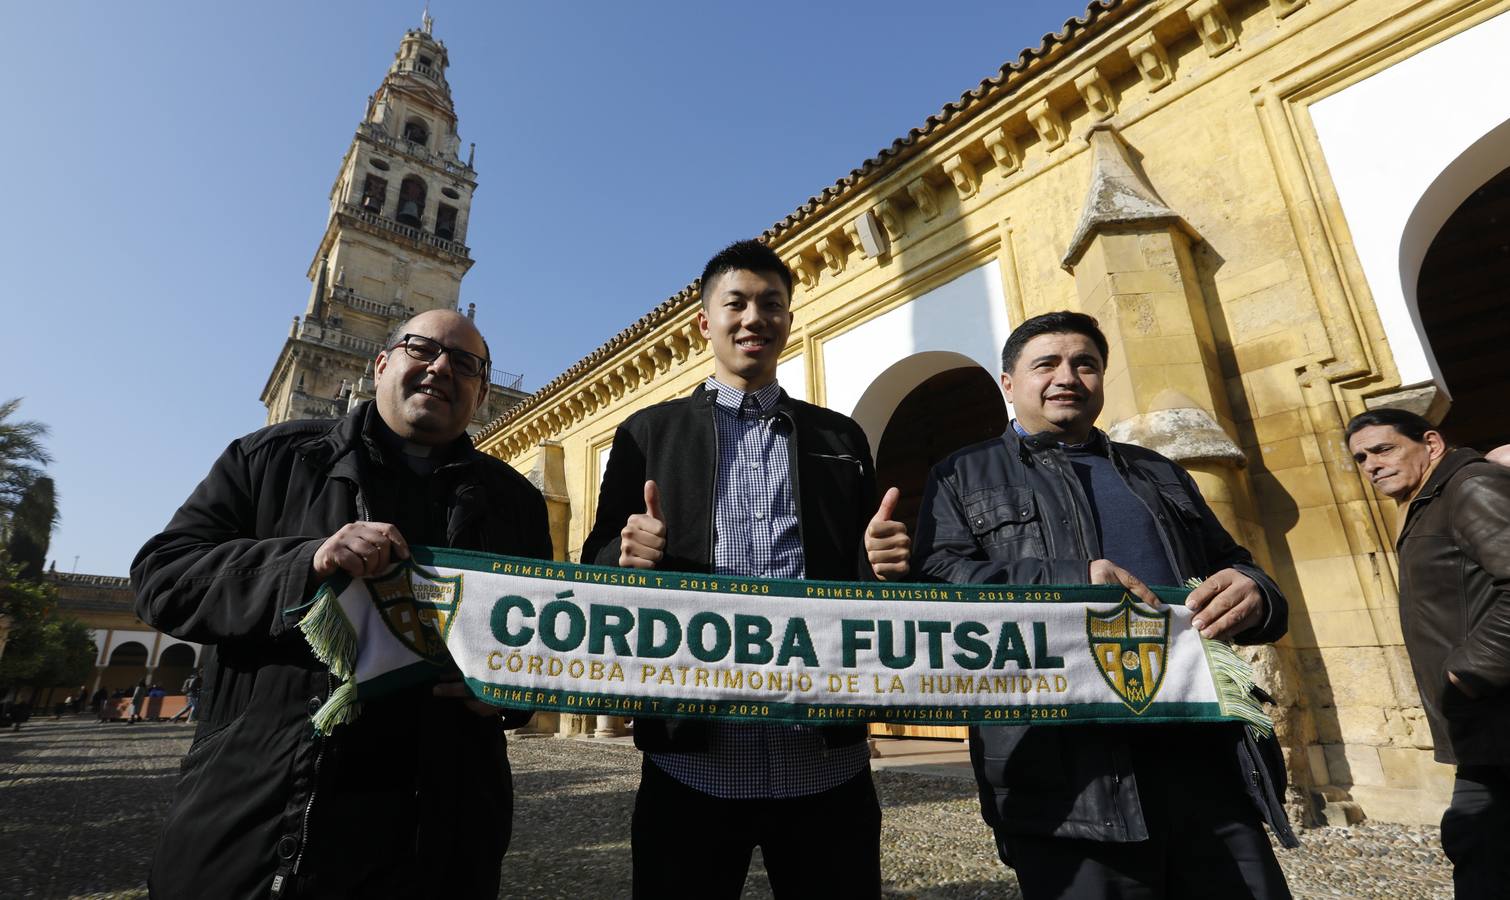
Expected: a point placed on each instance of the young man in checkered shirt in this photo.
(740, 479)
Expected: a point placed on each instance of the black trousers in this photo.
(1476, 833)
(1206, 840)
(689, 844)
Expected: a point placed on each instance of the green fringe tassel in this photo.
(340, 708)
(330, 635)
(1234, 688)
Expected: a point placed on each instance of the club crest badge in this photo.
(1130, 645)
(417, 607)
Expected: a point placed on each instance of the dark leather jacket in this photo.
(260, 795)
(1012, 511)
(675, 444)
(1455, 605)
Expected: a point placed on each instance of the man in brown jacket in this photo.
(1454, 551)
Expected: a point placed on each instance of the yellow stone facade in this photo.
(1246, 305)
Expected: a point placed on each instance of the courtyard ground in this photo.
(80, 805)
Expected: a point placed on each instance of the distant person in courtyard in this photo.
(415, 797)
(1454, 553)
(138, 702)
(1107, 811)
(741, 479)
(191, 698)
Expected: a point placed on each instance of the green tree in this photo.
(31, 526)
(21, 457)
(44, 648)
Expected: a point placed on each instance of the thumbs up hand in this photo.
(886, 542)
(643, 541)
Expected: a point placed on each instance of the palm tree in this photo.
(21, 458)
(31, 527)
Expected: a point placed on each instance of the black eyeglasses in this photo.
(426, 350)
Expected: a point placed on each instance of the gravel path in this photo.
(80, 804)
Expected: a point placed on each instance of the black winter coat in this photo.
(1455, 606)
(1012, 511)
(675, 444)
(265, 807)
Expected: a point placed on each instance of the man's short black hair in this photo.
(747, 256)
(1060, 322)
(1407, 423)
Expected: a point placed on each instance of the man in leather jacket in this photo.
(741, 479)
(413, 798)
(1454, 551)
(1134, 811)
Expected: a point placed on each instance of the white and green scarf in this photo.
(527, 634)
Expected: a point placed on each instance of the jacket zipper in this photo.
(794, 464)
(713, 489)
(362, 515)
(313, 789)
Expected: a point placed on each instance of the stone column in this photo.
(1134, 271)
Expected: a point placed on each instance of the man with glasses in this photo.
(264, 806)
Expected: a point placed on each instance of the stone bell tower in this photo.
(394, 243)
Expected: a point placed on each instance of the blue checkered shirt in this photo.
(756, 534)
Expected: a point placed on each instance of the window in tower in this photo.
(425, 61)
(450, 192)
(374, 192)
(415, 130)
(411, 201)
(380, 164)
(445, 222)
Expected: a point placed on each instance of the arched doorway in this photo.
(127, 666)
(173, 667)
(947, 411)
(1464, 301)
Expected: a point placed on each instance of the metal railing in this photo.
(508, 380)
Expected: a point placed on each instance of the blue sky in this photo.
(169, 164)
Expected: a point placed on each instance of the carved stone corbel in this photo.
(1003, 149)
(695, 338)
(662, 358)
(1049, 125)
(962, 172)
(923, 196)
(802, 269)
(830, 248)
(1096, 93)
(630, 375)
(1283, 8)
(891, 220)
(1213, 25)
(645, 365)
(1152, 61)
(679, 345)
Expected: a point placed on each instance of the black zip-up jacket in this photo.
(264, 807)
(675, 444)
(1455, 606)
(1012, 511)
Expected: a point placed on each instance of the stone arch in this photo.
(880, 399)
(126, 665)
(174, 663)
(944, 412)
(412, 192)
(1455, 184)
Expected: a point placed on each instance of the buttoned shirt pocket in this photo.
(1005, 522)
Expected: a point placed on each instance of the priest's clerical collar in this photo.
(420, 458)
